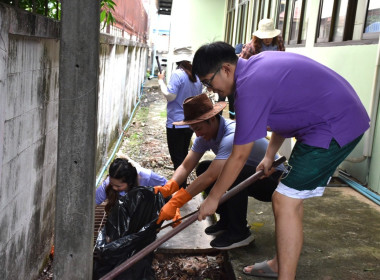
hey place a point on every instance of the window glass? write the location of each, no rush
(372, 21)
(281, 15)
(287, 23)
(305, 21)
(296, 16)
(340, 20)
(325, 21)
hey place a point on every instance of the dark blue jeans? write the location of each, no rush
(233, 213)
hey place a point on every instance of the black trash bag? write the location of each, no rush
(130, 227)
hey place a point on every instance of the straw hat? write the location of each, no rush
(266, 29)
(199, 108)
(182, 53)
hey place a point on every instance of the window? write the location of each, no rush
(242, 22)
(336, 20)
(297, 32)
(230, 21)
(282, 15)
(372, 20)
(291, 21)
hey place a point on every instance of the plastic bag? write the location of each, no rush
(130, 227)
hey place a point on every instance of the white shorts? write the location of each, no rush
(289, 192)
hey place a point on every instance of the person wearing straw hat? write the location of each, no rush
(265, 38)
(294, 96)
(181, 86)
(216, 133)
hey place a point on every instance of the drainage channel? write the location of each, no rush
(181, 263)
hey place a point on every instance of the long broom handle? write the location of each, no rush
(152, 246)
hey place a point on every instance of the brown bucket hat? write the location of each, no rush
(199, 108)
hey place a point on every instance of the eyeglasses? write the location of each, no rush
(207, 83)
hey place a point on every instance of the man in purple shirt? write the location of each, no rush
(294, 96)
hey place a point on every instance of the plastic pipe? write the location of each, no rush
(363, 190)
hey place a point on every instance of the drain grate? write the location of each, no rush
(100, 220)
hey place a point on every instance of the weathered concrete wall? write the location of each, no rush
(122, 66)
(28, 121)
(29, 99)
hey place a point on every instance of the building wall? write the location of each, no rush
(29, 102)
(122, 64)
(29, 70)
(195, 23)
(357, 64)
(357, 61)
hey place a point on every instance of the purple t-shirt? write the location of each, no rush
(181, 86)
(296, 97)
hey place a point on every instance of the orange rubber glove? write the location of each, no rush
(169, 210)
(170, 187)
(176, 217)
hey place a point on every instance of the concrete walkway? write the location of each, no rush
(341, 236)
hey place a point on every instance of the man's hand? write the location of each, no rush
(161, 76)
(266, 165)
(208, 207)
(170, 187)
(169, 210)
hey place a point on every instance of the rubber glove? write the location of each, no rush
(169, 210)
(170, 187)
(176, 217)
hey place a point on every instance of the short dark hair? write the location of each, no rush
(209, 57)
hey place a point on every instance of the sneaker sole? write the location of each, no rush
(242, 243)
(216, 233)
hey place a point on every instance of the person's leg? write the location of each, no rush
(187, 134)
(288, 213)
(178, 144)
(175, 150)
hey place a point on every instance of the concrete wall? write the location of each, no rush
(28, 133)
(29, 99)
(122, 68)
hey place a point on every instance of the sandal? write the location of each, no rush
(262, 270)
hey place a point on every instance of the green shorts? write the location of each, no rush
(312, 167)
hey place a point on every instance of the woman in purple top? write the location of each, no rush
(181, 86)
(123, 176)
(296, 97)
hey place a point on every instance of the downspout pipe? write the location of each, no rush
(120, 138)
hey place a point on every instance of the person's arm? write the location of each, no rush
(164, 89)
(184, 195)
(274, 145)
(188, 164)
(228, 175)
(207, 178)
(100, 194)
(180, 174)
